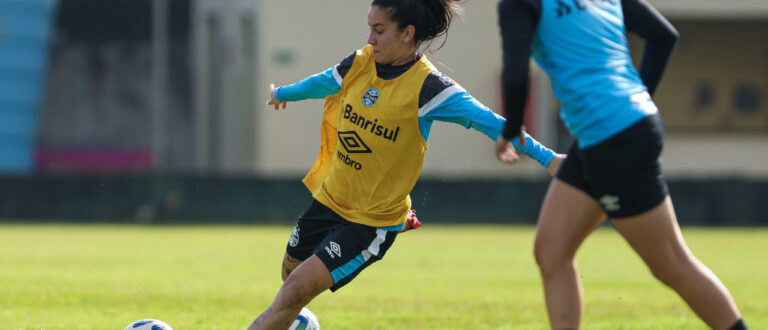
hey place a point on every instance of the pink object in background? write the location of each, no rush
(93, 159)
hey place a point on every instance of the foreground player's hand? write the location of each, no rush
(272, 100)
(505, 152)
(554, 164)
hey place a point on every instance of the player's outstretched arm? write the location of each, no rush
(505, 152)
(316, 86)
(272, 100)
(463, 109)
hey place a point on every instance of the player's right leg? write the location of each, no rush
(568, 215)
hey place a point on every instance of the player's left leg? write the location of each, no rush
(307, 281)
(628, 179)
(655, 235)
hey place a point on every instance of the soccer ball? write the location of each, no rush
(305, 321)
(148, 324)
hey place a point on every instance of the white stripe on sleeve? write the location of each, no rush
(439, 98)
(336, 75)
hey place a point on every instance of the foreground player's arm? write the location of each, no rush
(454, 104)
(518, 20)
(660, 37)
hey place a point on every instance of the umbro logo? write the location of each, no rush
(352, 143)
(333, 249)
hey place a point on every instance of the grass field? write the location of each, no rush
(438, 277)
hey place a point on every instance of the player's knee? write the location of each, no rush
(672, 272)
(294, 295)
(548, 258)
(546, 262)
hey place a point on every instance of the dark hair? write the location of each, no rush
(430, 18)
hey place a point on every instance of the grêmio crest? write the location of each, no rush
(370, 97)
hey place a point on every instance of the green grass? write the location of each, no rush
(438, 277)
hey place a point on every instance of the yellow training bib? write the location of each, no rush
(379, 149)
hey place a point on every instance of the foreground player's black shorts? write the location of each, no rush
(345, 247)
(622, 173)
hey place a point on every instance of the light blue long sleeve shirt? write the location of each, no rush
(453, 104)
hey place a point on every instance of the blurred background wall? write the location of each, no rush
(152, 111)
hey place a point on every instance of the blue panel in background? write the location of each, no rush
(24, 35)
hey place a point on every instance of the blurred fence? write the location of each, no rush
(176, 199)
(111, 72)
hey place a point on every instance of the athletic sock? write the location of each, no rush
(739, 325)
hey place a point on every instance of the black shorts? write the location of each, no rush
(622, 173)
(345, 247)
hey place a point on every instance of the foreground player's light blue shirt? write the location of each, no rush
(582, 45)
(453, 104)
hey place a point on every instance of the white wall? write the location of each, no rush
(719, 9)
(225, 45)
(316, 35)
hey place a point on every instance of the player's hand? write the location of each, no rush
(505, 152)
(411, 222)
(272, 100)
(554, 165)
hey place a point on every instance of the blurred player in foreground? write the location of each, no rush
(613, 168)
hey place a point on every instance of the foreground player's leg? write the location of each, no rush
(568, 215)
(307, 281)
(656, 237)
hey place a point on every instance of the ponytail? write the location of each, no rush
(430, 18)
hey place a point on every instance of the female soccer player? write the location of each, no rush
(381, 101)
(613, 168)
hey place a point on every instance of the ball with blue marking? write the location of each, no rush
(305, 321)
(148, 324)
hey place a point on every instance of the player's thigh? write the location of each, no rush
(346, 252)
(655, 235)
(567, 216)
(289, 264)
(311, 229)
(309, 279)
